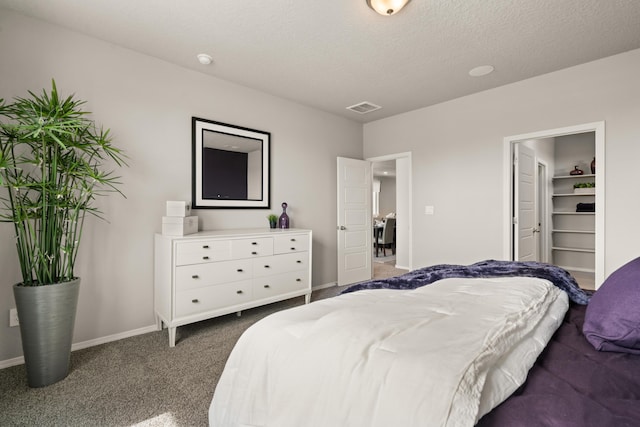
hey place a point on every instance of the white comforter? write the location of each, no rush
(440, 355)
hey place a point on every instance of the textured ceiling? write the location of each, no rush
(336, 53)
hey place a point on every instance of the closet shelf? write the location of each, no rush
(574, 231)
(573, 195)
(588, 175)
(573, 213)
(560, 248)
(581, 270)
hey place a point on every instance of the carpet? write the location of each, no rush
(137, 381)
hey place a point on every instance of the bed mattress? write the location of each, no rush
(439, 355)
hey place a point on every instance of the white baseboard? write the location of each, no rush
(325, 286)
(11, 362)
(85, 344)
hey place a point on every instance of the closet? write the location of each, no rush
(573, 204)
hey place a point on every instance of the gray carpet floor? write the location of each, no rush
(138, 381)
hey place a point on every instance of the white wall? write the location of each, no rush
(148, 105)
(457, 150)
(387, 195)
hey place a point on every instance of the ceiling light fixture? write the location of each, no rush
(205, 59)
(480, 71)
(387, 7)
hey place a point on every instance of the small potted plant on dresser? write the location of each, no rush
(51, 170)
(273, 220)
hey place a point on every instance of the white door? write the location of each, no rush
(525, 199)
(354, 221)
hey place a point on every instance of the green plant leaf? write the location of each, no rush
(54, 162)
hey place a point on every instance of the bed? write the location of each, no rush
(441, 346)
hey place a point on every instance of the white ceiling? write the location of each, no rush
(336, 53)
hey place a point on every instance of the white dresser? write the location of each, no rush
(213, 273)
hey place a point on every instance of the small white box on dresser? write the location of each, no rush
(179, 226)
(178, 208)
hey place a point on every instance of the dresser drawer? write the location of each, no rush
(251, 248)
(291, 243)
(212, 273)
(198, 300)
(277, 264)
(202, 251)
(270, 286)
(199, 275)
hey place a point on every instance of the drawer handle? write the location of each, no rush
(293, 240)
(298, 280)
(205, 247)
(195, 301)
(267, 286)
(254, 253)
(266, 266)
(195, 276)
(239, 270)
(254, 243)
(205, 257)
(293, 249)
(238, 292)
(299, 262)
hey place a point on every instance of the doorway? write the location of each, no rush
(355, 217)
(560, 206)
(397, 183)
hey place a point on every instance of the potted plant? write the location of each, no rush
(273, 220)
(51, 170)
(584, 188)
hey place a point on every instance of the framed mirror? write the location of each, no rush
(230, 166)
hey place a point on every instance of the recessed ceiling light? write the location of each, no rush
(480, 71)
(205, 59)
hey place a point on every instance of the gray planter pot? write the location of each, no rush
(47, 315)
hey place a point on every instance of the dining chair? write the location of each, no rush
(387, 238)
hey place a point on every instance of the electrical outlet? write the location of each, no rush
(13, 318)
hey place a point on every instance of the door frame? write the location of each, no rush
(543, 216)
(409, 208)
(508, 147)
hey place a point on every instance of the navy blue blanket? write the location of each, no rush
(484, 269)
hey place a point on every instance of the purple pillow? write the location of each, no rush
(612, 321)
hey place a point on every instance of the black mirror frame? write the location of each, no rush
(198, 125)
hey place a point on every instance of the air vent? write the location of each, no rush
(364, 107)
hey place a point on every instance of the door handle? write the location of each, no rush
(342, 227)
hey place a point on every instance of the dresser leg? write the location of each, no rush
(238, 313)
(172, 336)
(307, 298)
(158, 323)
